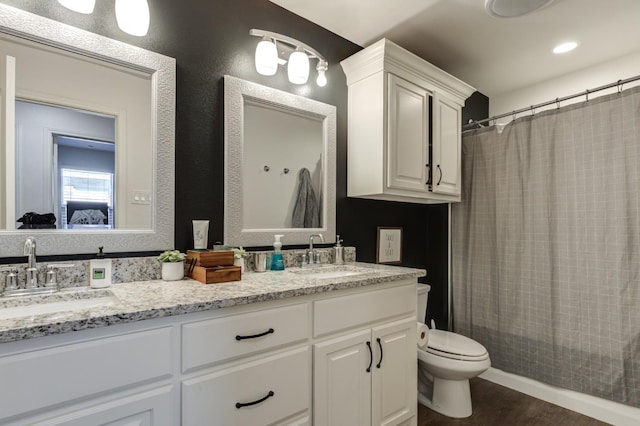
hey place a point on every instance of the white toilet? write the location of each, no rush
(446, 364)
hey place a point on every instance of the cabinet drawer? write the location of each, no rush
(213, 398)
(344, 312)
(81, 370)
(212, 341)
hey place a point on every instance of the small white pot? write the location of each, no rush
(172, 271)
(240, 263)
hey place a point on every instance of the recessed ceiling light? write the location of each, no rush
(513, 8)
(565, 47)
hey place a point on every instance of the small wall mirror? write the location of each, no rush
(87, 127)
(280, 166)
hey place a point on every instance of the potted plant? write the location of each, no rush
(172, 265)
(238, 257)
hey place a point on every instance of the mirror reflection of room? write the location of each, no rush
(68, 173)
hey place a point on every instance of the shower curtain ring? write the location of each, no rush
(514, 114)
(533, 110)
(620, 83)
(557, 103)
(586, 94)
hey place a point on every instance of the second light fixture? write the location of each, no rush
(267, 57)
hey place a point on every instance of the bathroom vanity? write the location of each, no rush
(326, 345)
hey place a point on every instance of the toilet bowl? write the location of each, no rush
(448, 361)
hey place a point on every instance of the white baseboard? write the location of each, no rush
(591, 406)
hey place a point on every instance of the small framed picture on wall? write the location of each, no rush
(389, 245)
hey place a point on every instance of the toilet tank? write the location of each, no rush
(423, 296)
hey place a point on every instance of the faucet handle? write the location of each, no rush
(10, 280)
(51, 277)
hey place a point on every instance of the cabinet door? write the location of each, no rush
(342, 384)
(447, 126)
(394, 385)
(408, 136)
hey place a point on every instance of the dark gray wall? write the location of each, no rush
(210, 39)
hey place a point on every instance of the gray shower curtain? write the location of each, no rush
(546, 246)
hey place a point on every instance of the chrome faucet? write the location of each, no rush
(32, 271)
(314, 256)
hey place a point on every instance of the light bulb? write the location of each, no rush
(266, 57)
(80, 6)
(322, 79)
(565, 47)
(133, 16)
(298, 68)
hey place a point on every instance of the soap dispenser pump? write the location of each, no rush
(338, 251)
(277, 262)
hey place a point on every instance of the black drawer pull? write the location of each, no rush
(370, 357)
(255, 336)
(239, 405)
(380, 345)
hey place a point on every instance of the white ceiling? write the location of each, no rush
(495, 55)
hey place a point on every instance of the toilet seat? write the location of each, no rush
(455, 346)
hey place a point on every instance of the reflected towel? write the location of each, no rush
(305, 211)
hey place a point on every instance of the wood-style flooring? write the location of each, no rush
(495, 405)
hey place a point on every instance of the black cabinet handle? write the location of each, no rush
(439, 180)
(269, 331)
(428, 174)
(370, 357)
(380, 345)
(239, 405)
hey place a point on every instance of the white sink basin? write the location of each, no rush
(338, 271)
(27, 306)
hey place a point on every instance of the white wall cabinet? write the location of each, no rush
(404, 129)
(254, 364)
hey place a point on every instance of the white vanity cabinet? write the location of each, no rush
(365, 369)
(104, 377)
(295, 361)
(404, 130)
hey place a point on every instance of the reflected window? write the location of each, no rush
(87, 198)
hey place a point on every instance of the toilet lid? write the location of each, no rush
(452, 345)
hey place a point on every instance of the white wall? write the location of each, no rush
(602, 74)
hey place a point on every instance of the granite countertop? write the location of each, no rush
(154, 299)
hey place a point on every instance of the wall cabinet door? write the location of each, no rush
(408, 136)
(342, 384)
(394, 375)
(447, 122)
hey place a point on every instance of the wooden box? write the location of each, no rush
(209, 258)
(214, 274)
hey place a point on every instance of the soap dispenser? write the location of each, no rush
(338, 252)
(100, 271)
(277, 262)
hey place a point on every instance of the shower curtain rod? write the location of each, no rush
(556, 101)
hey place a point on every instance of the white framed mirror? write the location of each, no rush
(137, 189)
(280, 166)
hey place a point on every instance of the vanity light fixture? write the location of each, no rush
(133, 16)
(273, 45)
(80, 6)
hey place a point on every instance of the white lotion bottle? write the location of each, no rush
(100, 271)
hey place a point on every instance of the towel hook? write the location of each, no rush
(285, 170)
(266, 168)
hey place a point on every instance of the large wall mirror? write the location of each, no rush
(280, 166)
(87, 140)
